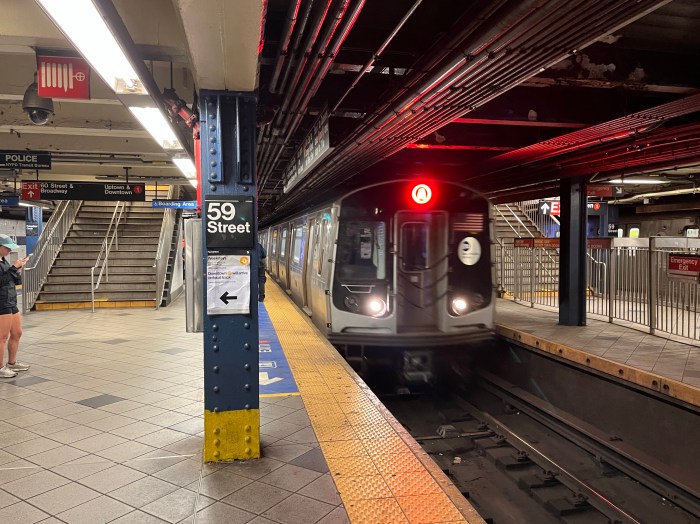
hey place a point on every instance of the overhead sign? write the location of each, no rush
(175, 204)
(9, 201)
(83, 191)
(599, 190)
(25, 160)
(524, 242)
(547, 243)
(599, 243)
(63, 77)
(229, 222)
(684, 267)
(314, 148)
(550, 207)
(228, 285)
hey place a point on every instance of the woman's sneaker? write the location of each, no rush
(17, 366)
(5, 372)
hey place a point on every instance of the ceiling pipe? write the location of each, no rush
(377, 54)
(296, 46)
(567, 32)
(671, 192)
(283, 48)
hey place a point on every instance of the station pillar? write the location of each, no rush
(572, 255)
(230, 266)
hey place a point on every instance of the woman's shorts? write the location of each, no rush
(9, 311)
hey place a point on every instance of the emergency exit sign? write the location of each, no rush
(684, 267)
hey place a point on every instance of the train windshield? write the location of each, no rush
(361, 250)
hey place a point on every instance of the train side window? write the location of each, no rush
(414, 246)
(274, 243)
(283, 246)
(296, 244)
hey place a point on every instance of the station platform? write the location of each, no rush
(652, 361)
(106, 426)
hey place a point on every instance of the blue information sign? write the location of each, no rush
(9, 201)
(175, 204)
(275, 376)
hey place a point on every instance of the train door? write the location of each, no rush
(311, 248)
(421, 269)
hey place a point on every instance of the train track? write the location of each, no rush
(551, 445)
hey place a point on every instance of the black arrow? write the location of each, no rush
(226, 297)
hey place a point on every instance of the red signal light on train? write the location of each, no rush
(421, 194)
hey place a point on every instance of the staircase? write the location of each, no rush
(515, 272)
(131, 280)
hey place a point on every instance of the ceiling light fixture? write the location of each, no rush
(640, 181)
(97, 32)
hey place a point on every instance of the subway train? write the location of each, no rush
(391, 272)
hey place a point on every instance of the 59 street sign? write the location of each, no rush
(229, 222)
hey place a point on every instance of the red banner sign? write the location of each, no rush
(550, 243)
(523, 242)
(599, 191)
(599, 243)
(63, 77)
(684, 267)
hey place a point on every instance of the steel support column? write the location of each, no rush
(572, 256)
(231, 406)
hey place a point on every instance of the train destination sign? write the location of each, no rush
(229, 222)
(25, 160)
(83, 191)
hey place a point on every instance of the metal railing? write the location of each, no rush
(102, 261)
(46, 250)
(628, 282)
(164, 243)
(547, 225)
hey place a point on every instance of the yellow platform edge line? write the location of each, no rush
(647, 379)
(231, 435)
(309, 366)
(269, 395)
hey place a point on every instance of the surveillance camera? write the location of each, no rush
(39, 109)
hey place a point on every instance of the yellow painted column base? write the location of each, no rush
(231, 435)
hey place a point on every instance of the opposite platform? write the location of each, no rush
(652, 361)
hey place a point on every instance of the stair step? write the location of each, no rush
(105, 287)
(84, 271)
(73, 296)
(114, 278)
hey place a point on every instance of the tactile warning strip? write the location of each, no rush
(381, 473)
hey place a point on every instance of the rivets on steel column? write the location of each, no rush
(246, 367)
(214, 338)
(212, 151)
(215, 347)
(215, 327)
(217, 431)
(247, 406)
(217, 442)
(247, 387)
(212, 188)
(216, 368)
(216, 389)
(248, 427)
(247, 440)
(212, 128)
(212, 139)
(217, 454)
(216, 410)
(213, 164)
(248, 451)
(245, 188)
(246, 325)
(246, 346)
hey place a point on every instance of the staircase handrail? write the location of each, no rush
(602, 264)
(166, 234)
(508, 221)
(107, 243)
(46, 250)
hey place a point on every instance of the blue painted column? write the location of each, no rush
(229, 219)
(572, 255)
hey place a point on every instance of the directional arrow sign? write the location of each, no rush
(226, 297)
(545, 208)
(265, 380)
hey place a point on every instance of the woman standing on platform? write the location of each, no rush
(10, 319)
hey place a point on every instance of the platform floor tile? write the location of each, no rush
(107, 426)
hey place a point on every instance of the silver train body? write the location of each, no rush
(374, 269)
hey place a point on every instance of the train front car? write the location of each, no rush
(412, 273)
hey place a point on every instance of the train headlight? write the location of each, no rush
(376, 307)
(351, 304)
(459, 305)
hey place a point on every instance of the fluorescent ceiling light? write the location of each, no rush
(186, 166)
(155, 123)
(640, 181)
(86, 29)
